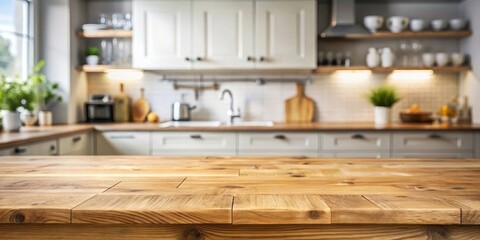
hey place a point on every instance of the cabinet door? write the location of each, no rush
(477, 149)
(223, 34)
(78, 144)
(280, 143)
(432, 141)
(435, 155)
(361, 141)
(286, 34)
(344, 154)
(35, 149)
(123, 143)
(193, 143)
(161, 39)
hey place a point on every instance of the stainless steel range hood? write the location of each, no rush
(343, 20)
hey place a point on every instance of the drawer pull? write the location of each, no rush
(357, 136)
(52, 148)
(19, 150)
(76, 139)
(122, 137)
(196, 136)
(434, 136)
(280, 137)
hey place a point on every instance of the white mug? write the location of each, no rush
(397, 24)
(457, 24)
(439, 24)
(417, 25)
(373, 23)
(428, 59)
(442, 59)
(457, 59)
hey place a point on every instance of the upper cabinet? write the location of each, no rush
(286, 34)
(224, 34)
(162, 36)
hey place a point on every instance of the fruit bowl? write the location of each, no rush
(419, 117)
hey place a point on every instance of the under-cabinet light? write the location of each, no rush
(124, 74)
(412, 74)
(353, 74)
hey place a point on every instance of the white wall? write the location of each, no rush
(470, 84)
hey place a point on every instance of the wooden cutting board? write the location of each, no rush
(122, 106)
(300, 108)
(141, 108)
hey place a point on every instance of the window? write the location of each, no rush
(16, 37)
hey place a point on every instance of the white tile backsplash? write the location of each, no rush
(337, 100)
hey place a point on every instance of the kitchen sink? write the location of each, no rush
(216, 124)
(191, 124)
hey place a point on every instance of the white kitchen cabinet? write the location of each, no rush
(34, 149)
(78, 144)
(434, 155)
(355, 141)
(286, 34)
(122, 143)
(194, 143)
(344, 154)
(223, 34)
(433, 141)
(162, 36)
(278, 144)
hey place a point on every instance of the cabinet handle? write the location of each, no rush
(280, 137)
(188, 59)
(122, 137)
(196, 136)
(357, 136)
(19, 150)
(199, 59)
(250, 59)
(434, 136)
(76, 139)
(262, 59)
(52, 148)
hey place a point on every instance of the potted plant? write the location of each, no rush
(383, 98)
(14, 95)
(93, 54)
(47, 94)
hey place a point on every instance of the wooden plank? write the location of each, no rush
(109, 33)
(38, 208)
(154, 209)
(225, 232)
(446, 69)
(351, 209)
(407, 34)
(413, 209)
(280, 209)
(470, 206)
(54, 185)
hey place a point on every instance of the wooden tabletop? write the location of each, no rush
(238, 190)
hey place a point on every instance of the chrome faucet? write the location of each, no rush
(231, 112)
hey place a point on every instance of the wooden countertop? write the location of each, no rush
(34, 134)
(238, 190)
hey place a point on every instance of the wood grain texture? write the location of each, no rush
(280, 209)
(154, 209)
(225, 232)
(300, 108)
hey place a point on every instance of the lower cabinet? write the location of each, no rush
(78, 144)
(355, 145)
(122, 143)
(437, 155)
(194, 143)
(278, 144)
(354, 154)
(35, 149)
(477, 149)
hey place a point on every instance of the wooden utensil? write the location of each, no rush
(300, 108)
(121, 106)
(141, 108)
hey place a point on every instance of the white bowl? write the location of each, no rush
(439, 24)
(417, 25)
(457, 24)
(457, 59)
(428, 59)
(373, 23)
(442, 59)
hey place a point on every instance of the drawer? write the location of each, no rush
(39, 149)
(355, 141)
(278, 142)
(167, 152)
(279, 154)
(477, 149)
(427, 141)
(194, 141)
(355, 154)
(434, 155)
(123, 143)
(79, 144)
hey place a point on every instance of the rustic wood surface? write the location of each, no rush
(238, 190)
(34, 134)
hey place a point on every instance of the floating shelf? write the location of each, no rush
(100, 68)
(330, 69)
(387, 35)
(111, 33)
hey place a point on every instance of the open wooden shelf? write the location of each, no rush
(100, 68)
(387, 35)
(110, 33)
(331, 69)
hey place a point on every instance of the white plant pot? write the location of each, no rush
(92, 60)
(45, 118)
(11, 121)
(382, 116)
(28, 118)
